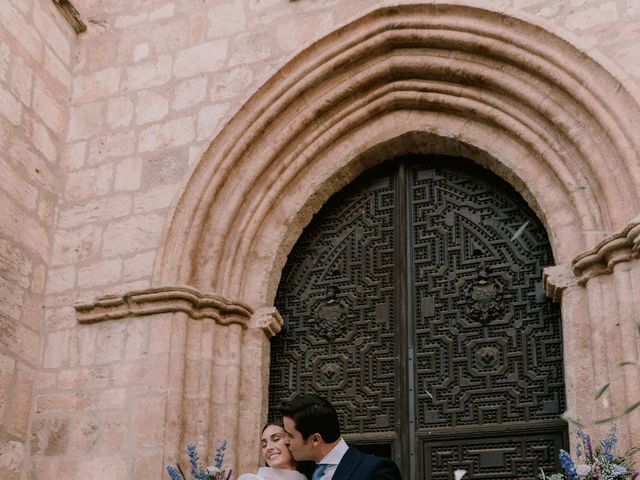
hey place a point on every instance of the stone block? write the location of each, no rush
(118, 145)
(114, 433)
(190, 93)
(113, 468)
(61, 279)
(589, 17)
(130, 374)
(133, 234)
(7, 375)
(57, 69)
(165, 168)
(110, 342)
(86, 120)
(225, 19)
(149, 74)
(12, 299)
(10, 107)
(15, 225)
(103, 209)
(90, 183)
(137, 339)
(138, 266)
(5, 56)
(84, 378)
(43, 142)
(160, 334)
(37, 170)
(23, 393)
(74, 157)
(21, 81)
(55, 36)
(231, 83)
(15, 263)
(128, 174)
(14, 184)
(21, 30)
(82, 345)
(113, 398)
(33, 311)
(52, 109)
(171, 36)
(149, 464)
(12, 457)
(163, 12)
(56, 350)
(140, 52)
(50, 436)
(96, 85)
(209, 120)
(151, 107)
(76, 245)
(207, 57)
(60, 318)
(119, 112)
(167, 135)
(148, 421)
(84, 436)
(100, 273)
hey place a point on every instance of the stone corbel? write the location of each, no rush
(268, 319)
(556, 279)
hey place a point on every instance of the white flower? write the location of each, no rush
(583, 469)
(212, 470)
(458, 474)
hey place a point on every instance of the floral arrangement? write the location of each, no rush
(198, 471)
(597, 463)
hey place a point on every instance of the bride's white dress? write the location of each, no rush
(268, 473)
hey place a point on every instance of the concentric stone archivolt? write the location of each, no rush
(545, 116)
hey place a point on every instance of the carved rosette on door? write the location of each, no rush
(410, 304)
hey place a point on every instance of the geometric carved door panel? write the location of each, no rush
(410, 304)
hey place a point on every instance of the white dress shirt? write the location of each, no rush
(333, 458)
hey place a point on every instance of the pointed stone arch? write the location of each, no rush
(500, 89)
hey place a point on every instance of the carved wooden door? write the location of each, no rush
(413, 302)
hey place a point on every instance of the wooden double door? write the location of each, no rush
(413, 302)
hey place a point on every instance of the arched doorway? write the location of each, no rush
(414, 302)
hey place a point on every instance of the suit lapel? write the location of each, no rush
(347, 465)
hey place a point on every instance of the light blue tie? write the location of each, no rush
(319, 471)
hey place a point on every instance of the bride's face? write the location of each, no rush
(274, 449)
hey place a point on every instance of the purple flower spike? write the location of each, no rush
(588, 450)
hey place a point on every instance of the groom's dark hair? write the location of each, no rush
(313, 414)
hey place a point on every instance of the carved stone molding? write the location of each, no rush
(600, 260)
(616, 248)
(166, 300)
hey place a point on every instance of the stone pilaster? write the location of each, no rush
(600, 301)
(194, 369)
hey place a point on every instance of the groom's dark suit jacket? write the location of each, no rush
(356, 465)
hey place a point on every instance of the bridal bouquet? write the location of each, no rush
(198, 471)
(597, 463)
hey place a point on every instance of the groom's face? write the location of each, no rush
(300, 448)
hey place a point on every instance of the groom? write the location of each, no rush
(313, 433)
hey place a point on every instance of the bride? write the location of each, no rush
(276, 454)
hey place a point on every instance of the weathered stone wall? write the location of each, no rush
(106, 127)
(35, 82)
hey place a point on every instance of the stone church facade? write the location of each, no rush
(159, 166)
